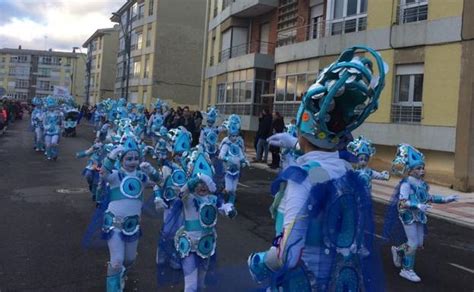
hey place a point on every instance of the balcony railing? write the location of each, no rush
(322, 28)
(412, 12)
(403, 114)
(287, 109)
(244, 49)
(245, 109)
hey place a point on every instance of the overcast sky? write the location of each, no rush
(57, 24)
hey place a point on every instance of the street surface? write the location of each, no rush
(46, 207)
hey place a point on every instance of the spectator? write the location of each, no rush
(168, 122)
(187, 121)
(264, 131)
(197, 116)
(278, 125)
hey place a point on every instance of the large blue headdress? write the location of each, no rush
(292, 130)
(407, 158)
(199, 162)
(180, 140)
(344, 95)
(36, 101)
(233, 125)
(130, 144)
(361, 146)
(51, 102)
(212, 114)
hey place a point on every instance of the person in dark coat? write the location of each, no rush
(264, 131)
(278, 126)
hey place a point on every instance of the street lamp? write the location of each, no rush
(126, 35)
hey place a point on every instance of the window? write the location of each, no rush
(145, 97)
(44, 72)
(147, 67)
(141, 10)
(148, 35)
(100, 42)
(348, 16)
(139, 40)
(134, 12)
(209, 89)
(407, 104)
(47, 60)
(413, 10)
(136, 69)
(292, 88)
(150, 7)
(22, 83)
(221, 88)
(44, 85)
(22, 59)
(98, 61)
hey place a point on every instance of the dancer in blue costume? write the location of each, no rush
(326, 207)
(195, 241)
(209, 141)
(174, 178)
(232, 153)
(410, 202)
(162, 147)
(37, 116)
(121, 225)
(53, 124)
(364, 150)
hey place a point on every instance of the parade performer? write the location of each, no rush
(209, 141)
(364, 150)
(121, 225)
(195, 241)
(37, 116)
(174, 177)
(410, 202)
(232, 153)
(326, 206)
(52, 123)
(162, 147)
(96, 154)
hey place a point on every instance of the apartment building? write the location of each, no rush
(427, 44)
(25, 74)
(160, 51)
(102, 48)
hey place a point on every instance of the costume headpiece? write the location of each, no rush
(407, 158)
(212, 114)
(344, 95)
(361, 146)
(180, 140)
(233, 125)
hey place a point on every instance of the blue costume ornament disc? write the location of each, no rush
(208, 215)
(131, 187)
(206, 245)
(178, 177)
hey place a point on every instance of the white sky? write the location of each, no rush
(65, 23)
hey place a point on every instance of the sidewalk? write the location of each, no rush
(461, 212)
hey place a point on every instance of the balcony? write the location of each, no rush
(242, 8)
(244, 56)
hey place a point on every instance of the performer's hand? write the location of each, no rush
(284, 140)
(386, 175)
(146, 167)
(115, 152)
(452, 198)
(160, 204)
(423, 207)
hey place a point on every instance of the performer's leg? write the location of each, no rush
(115, 269)
(408, 262)
(47, 140)
(190, 270)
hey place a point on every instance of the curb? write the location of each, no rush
(386, 201)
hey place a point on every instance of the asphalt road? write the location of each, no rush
(45, 208)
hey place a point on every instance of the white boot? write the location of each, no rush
(410, 275)
(397, 260)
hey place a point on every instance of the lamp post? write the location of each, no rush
(126, 35)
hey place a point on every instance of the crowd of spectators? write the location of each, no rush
(10, 110)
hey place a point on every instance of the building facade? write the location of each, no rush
(160, 51)
(25, 74)
(102, 48)
(427, 44)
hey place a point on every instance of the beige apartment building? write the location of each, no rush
(25, 74)
(102, 48)
(265, 53)
(160, 51)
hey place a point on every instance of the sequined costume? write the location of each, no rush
(324, 206)
(406, 217)
(121, 227)
(52, 123)
(37, 116)
(232, 153)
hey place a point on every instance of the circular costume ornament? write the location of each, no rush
(178, 177)
(208, 215)
(131, 187)
(131, 225)
(206, 245)
(183, 245)
(211, 137)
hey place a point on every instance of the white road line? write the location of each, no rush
(462, 268)
(245, 186)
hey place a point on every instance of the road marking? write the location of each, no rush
(462, 268)
(245, 186)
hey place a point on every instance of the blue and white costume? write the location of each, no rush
(174, 178)
(96, 154)
(410, 202)
(162, 146)
(325, 207)
(37, 116)
(232, 153)
(195, 241)
(364, 150)
(52, 123)
(121, 225)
